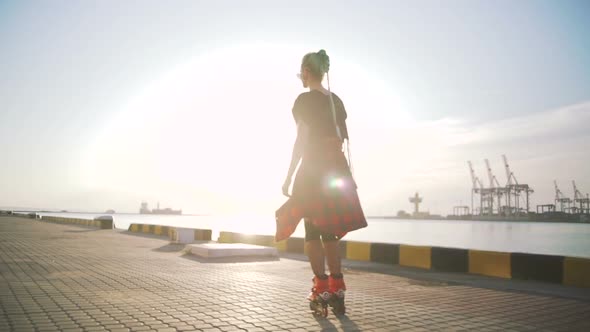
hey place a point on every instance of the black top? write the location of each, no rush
(313, 108)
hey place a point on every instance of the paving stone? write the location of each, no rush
(44, 329)
(230, 328)
(159, 326)
(185, 327)
(23, 327)
(167, 329)
(54, 277)
(95, 328)
(202, 326)
(140, 328)
(67, 326)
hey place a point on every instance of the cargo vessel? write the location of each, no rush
(144, 209)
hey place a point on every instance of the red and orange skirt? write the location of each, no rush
(325, 192)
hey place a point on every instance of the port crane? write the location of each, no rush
(496, 191)
(564, 202)
(516, 189)
(492, 196)
(583, 201)
(476, 189)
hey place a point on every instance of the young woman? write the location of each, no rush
(324, 192)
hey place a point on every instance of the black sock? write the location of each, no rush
(337, 275)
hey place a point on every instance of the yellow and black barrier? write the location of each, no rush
(490, 263)
(150, 229)
(99, 222)
(537, 267)
(30, 215)
(169, 231)
(571, 271)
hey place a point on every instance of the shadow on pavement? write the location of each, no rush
(82, 230)
(171, 247)
(347, 324)
(146, 235)
(325, 324)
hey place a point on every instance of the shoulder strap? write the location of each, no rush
(333, 108)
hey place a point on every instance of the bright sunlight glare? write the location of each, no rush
(218, 130)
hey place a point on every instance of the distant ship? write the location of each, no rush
(145, 210)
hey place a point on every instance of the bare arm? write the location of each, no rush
(300, 141)
(302, 134)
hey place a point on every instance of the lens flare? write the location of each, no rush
(336, 183)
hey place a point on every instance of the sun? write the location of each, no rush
(215, 132)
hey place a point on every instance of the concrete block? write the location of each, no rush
(415, 256)
(226, 237)
(546, 268)
(576, 272)
(203, 234)
(359, 251)
(217, 250)
(490, 263)
(103, 222)
(450, 259)
(385, 253)
(183, 235)
(296, 245)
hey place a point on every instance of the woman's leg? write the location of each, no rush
(335, 282)
(315, 249)
(332, 252)
(315, 252)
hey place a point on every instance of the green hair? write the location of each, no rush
(318, 63)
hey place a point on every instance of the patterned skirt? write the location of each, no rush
(323, 191)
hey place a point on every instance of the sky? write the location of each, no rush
(104, 104)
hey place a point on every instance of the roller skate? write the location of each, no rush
(337, 291)
(319, 296)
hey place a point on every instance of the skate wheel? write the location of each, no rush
(325, 311)
(318, 309)
(339, 311)
(338, 307)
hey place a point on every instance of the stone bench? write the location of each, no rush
(219, 250)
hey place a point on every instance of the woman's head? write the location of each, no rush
(313, 67)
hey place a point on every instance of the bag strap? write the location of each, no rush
(333, 108)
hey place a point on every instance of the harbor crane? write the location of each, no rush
(514, 188)
(583, 201)
(477, 188)
(496, 191)
(564, 202)
(488, 196)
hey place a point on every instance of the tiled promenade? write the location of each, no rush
(69, 278)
